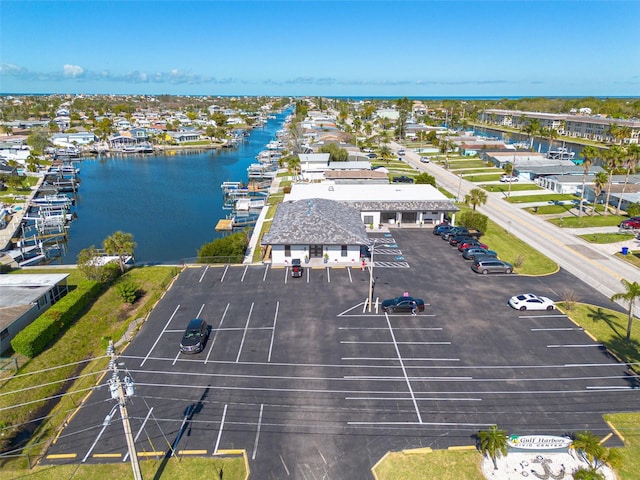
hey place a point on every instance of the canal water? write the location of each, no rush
(170, 203)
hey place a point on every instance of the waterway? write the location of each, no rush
(539, 144)
(170, 203)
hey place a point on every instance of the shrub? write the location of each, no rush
(570, 298)
(128, 291)
(472, 219)
(519, 261)
(34, 338)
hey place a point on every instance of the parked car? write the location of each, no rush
(442, 228)
(529, 301)
(630, 223)
(508, 178)
(474, 252)
(424, 159)
(471, 243)
(402, 304)
(455, 241)
(455, 231)
(296, 268)
(195, 336)
(491, 265)
(402, 179)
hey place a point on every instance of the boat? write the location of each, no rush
(560, 153)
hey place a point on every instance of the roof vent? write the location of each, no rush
(331, 188)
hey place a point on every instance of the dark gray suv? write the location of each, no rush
(195, 336)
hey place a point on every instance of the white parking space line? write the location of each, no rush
(542, 316)
(203, 274)
(612, 387)
(575, 346)
(224, 273)
(273, 330)
(213, 341)
(388, 378)
(244, 273)
(175, 359)
(406, 359)
(284, 465)
(567, 329)
(404, 371)
(255, 444)
(159, 336)
(246, 326)
(433, 399)
(200, 311)
(350, 277)
(396, 343)
(264, 275)
(328, 275)
(224, 414)
(447, 424)
(396, 328)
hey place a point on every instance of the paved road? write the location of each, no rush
(587, 262)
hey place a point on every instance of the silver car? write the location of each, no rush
(491, 265)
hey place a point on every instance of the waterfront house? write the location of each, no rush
(24, 298)
(183, 137)
(77, 138)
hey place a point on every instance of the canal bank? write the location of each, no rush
(169, 203)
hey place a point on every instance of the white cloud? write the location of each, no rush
(73, 71)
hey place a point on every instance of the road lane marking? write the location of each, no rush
(576, 345)
(567, 329)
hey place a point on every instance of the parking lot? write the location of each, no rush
(312, 385)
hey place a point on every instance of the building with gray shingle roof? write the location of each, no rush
(316, 228)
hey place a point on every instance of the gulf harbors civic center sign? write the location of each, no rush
(538, 442)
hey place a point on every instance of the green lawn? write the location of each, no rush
(475, 163)
(627, 425)
(607, 237)
(470, 171)
(436, 465)
(551, 209)
(587, 221)
(549, 197)
(503, 187)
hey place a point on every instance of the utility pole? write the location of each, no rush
(120, 393)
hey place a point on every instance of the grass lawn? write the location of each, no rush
(633, 257)
(587, 221)
(470, 164)
(551, 209)
(503, 187)
(627, 425)
(511, 249)
(174, 468)
(487, 177)
(436, 465)
(607, 237)
(549, 197)
(71, 354)
(470, 171)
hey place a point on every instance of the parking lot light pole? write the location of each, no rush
(371, 281)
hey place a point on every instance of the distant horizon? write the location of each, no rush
(352, 97)
(323, 48)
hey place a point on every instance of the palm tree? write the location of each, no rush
(493, 442)
(632, 292)
(630, 161)
(532, 128)
(613, 158)
(600, 181)
(445, 147)
(476, 197)
(385, 153)
(589, 153)
(551, 134)
(120, 244)
(633, 155)
(589, 448)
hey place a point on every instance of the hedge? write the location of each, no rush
(34, 338)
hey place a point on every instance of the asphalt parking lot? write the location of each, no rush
(311, 385)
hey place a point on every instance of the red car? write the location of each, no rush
(471, 243)
(631, 223)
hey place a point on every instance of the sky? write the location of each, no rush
(359, 48)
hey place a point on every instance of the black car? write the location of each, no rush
(442, 228)
(456, 239)
(195, 336)
(453, 231)
(472, 253)
(402, 179)
(402, 304)
(296, 268)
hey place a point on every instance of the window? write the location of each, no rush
(343, 251)
(368, 219)
(287, 250)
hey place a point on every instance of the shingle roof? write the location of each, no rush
(316, 221)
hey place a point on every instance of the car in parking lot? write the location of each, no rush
(491, 265)
(402, 179)
(296, 268)
(402, 304)
(195, 336)
(529, 301)
(455, 231)
(442, 228)
(474, 252)
(471, 243)
(630, 223)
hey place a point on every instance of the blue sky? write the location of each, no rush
(345, 48)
